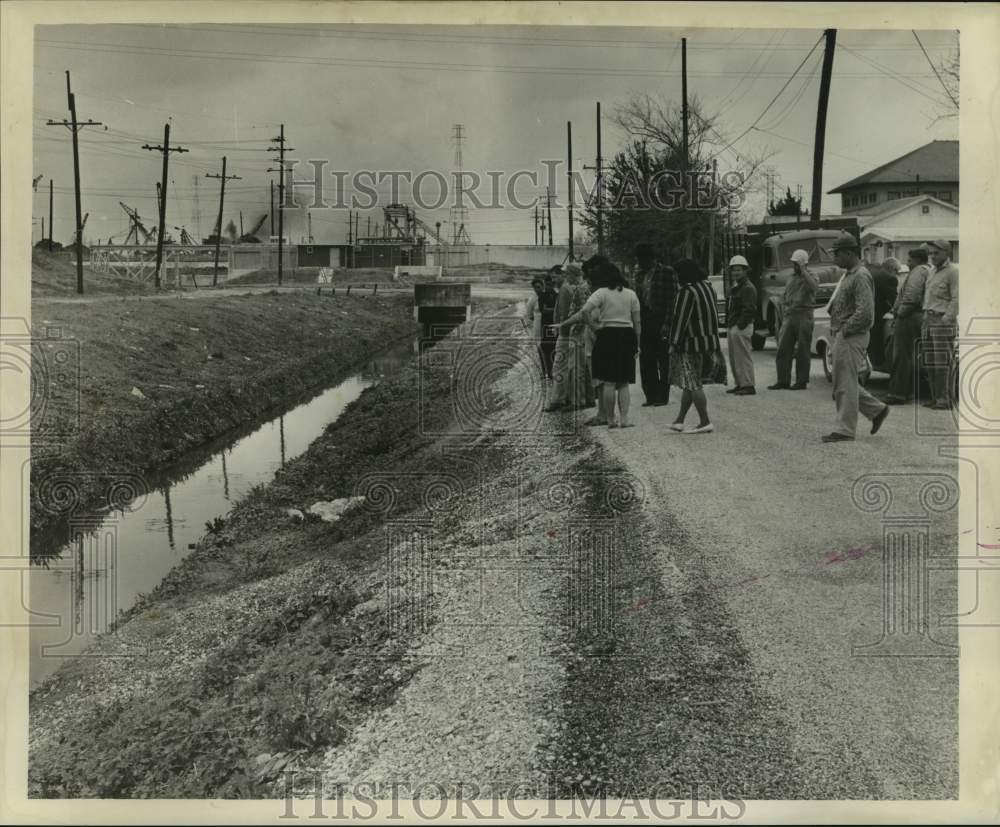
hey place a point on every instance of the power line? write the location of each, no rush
(146, 51)
(766, 108)
(898, 77)
(354, 33)
(931, 62)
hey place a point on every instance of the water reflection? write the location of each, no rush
(95, 564)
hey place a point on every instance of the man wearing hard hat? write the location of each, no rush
(852, 309)
(796, 326)
(740, 314)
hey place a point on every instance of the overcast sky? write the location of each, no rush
(387, 97)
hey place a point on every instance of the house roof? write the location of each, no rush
(898, 205)
(910, 233)
(936, 161)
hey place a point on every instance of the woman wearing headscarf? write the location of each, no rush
(615, 310)
(694, 344)
(581, 391)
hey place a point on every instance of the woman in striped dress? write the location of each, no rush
(694, 343)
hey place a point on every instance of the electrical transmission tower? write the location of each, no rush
(458, 214)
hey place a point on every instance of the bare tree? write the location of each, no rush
(949, 72)
(645, 183)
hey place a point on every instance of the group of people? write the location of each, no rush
(591, 328)
(591, 324)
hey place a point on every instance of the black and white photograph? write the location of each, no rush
(510, 411)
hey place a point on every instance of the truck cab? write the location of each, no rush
(771, 269)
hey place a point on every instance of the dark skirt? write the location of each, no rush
(613, 359)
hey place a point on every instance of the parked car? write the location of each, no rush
(822, 340)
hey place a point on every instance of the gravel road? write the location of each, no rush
(704, 646)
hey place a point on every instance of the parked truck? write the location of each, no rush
(769, 248)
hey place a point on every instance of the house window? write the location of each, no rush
(872, 197)
(945, 196)
(309, 249)
(893, 196)
(925, 209)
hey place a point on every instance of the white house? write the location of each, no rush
(907, 223)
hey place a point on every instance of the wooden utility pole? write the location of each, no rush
(218, 224)
(281, 149)
(50, 215)
(824, 98)
(598, 186)
(74, 126)
(165, 150)
(350, 241)
(569, 177)
(548, 207)
(685, 160)
(272, 211)
(711, 221)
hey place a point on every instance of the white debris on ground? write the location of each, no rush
(332, 510)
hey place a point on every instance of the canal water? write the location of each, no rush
(84, 577)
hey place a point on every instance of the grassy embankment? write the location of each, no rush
(54, 274)
(148, 380)
(270, 642)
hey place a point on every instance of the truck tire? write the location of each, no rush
(757, 341)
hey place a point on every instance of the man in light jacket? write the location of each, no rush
(908, 312)
(940, 322)
(797, 307)
(852, 309)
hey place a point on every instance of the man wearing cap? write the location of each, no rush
(741, 312)
(656, 287)
(796, 325)
(851, 311)
(940, 320)
(908, 312)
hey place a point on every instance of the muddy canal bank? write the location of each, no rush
(272, 639)
(127, 386)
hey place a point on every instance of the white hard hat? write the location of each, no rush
(800, 256)
(739, 260)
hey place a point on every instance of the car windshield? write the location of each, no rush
(816, 247)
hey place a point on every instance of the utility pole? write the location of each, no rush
(50, 215)
(711, 222)
(218, 224)
(598, 186)
(548, 206)
(165, 150)
(309, 221)
(272, 209)
(536, 225)
(74, 126)
(350, 241)
(281, 149)
(369, 233)
(688, 243)
(569, 176)
(824, 98)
